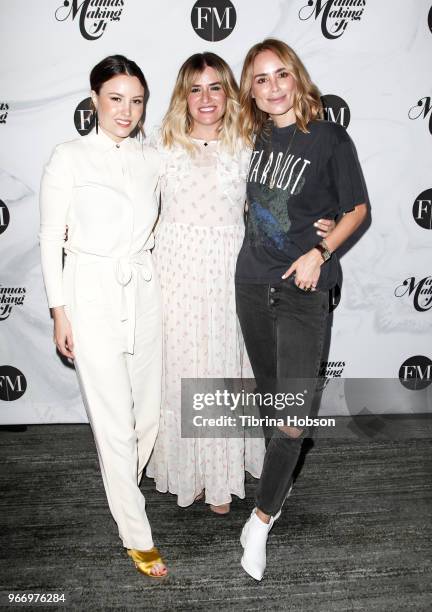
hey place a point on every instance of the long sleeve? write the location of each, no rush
(154, 141)
(55, 198)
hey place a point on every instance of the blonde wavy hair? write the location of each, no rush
(177, 124)
(307, 103)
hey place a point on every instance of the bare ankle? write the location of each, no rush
(261, 515)
(221, 509)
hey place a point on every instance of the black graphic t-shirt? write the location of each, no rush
(294, 179)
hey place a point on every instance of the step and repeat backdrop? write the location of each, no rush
(371, 60)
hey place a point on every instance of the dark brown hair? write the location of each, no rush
(110, 67)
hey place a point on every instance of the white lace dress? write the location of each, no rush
(198, 237)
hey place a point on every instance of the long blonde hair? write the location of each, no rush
(307, 103)
(178, 123)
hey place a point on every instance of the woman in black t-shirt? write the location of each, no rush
(301, 169)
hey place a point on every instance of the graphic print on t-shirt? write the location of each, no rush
(295, 178)
(279, 176)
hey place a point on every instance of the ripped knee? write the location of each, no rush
(291, 432)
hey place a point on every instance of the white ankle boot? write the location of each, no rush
(254, 539)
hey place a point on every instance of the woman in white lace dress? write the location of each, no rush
(198, 237)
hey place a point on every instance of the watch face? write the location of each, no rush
(325, 254)
(324, 250)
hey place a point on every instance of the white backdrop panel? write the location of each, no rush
(380, 66)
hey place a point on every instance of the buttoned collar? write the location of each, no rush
(104, 143)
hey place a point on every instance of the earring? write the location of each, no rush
(96, 122)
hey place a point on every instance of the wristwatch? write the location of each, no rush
(324, 250)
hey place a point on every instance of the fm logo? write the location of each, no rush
(213, 20)
(84, 117)
(422, 209)
(416, 373)
(336, 110)
(12, 383)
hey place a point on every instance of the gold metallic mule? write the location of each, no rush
(145, 560)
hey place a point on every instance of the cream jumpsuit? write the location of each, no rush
(105, 194)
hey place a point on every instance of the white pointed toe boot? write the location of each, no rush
(254, 539)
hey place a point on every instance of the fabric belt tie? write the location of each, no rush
(126, 271)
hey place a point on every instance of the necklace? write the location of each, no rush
(204, 141)
(284, 158)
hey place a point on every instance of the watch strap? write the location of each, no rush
(324, 250)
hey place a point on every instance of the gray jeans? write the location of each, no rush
(284, 330)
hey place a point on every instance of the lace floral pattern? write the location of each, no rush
(198, 237)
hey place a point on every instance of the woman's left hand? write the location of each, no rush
(324, 227)
(307, 270)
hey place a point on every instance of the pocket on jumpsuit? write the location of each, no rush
(88, 286)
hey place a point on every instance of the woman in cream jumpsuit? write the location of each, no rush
(103, 191)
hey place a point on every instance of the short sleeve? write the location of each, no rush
(348, 176)
(55, 198)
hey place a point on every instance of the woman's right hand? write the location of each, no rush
(325, 227)
(63, 338)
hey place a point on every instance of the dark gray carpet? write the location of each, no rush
(355, 534)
